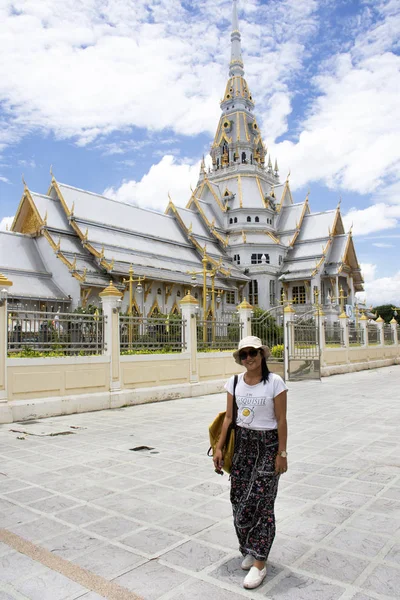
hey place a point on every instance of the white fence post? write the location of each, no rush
(111, 301)
(393, 324)
(380, 323)
(344, 324)
(189, 307)
(245, 311)
(288, 334)
(364, 327)
(5, 410)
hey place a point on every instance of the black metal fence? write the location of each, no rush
(356, 335)
(334, 334)
(374, 335)
(152, 334)
(213, 334)
(35, 334)
(388, 335)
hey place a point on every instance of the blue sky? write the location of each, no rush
(123, 98)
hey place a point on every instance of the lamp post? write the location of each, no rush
(206, 273)
(129, 285)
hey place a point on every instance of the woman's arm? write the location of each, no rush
(218, 458)
(280, 403)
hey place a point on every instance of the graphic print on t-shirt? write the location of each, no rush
(246, 408)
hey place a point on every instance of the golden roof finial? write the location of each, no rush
(24, 182)
(102, 252)
(58, 246)
(339, 203)
(45, 218)
(51, 172)
(288, 176)
(72, 209)
(190, 230)
(351, 229)
(276, 168)
(86, 236)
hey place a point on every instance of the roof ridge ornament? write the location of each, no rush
(236, 67)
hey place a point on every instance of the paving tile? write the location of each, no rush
(387, 507)
(394, 555)
(347, 499)
(108, 561)
(71, 544)
(359, 542)
(29, 495)
(152, 580)
(40, 529)
(193, 555)
(49, 586)
(341, 567)
(299, 587)
(375, 523)
(17, 566)
(81, 515)
(384, 580)
(113, 527)
(307, 492)
(306, 529)
(152, 541)
(188, 523)
(393, 493)
(285, 550)
(200, 590)
(54, 504)
(326, 512)
(222, 535)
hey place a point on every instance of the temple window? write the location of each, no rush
(230, 297)
(230, 221)
(272, 297)
(253, 292)
(280, 260)
(257, 219)
(159, 291)
(299, 294)
(178, 294)
(249, 219)
(244, 157)
(236, 259)
(235, 220)
(258, 259)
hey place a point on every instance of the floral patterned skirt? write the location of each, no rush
(254, 487)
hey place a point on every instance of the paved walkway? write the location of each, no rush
(84, 516)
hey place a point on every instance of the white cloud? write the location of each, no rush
(167, 176)
(89, 68)
(382, 245)
(374, 218)
(385, 290)
(5, 223)
(368, 270)
(4, 179)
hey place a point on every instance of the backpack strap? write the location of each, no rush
(235, 408)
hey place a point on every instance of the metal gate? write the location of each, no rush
(303, 349)
(269, 327)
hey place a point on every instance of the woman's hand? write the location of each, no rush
(218, 461)
(281, 465)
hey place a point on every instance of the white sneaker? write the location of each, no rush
(254, 578)
(248, 562)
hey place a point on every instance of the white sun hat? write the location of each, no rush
(251, 341)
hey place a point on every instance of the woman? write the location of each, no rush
(260, 454)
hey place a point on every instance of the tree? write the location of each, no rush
(386, 312)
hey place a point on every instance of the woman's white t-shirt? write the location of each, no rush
(256, 409)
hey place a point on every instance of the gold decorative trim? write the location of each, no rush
(240, 191)
(155, 308)
(111, 290)
(4, 281)
(244, 305)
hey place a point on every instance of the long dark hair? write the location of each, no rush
(264, 370)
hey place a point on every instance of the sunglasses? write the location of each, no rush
(251, 353)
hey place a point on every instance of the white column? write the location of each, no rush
(5, 410)
(393, 324)
(320, 320)
(288, 324)
(344, 324)
(380, 323)
(189, 307)
(245, 311)
(111, 301)
(364, 327)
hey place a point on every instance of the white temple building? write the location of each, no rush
(241, 222)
